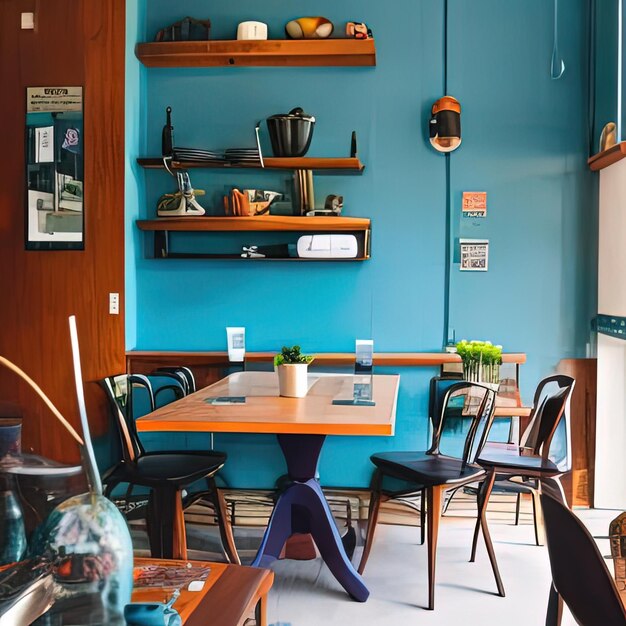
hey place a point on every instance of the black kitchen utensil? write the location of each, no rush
(291, 133)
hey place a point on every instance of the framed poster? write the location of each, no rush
(54, 168)
(474, 204)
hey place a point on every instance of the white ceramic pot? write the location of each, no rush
(292, 380)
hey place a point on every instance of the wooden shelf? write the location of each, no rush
(161, 227)
(398, 359)
(607, 157)
(265, 223)
(347, 165)
(272, 52)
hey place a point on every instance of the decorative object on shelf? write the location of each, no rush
(358, 30)
(187, 29)
(252, 31)
(474, 204)
(474, 255)
(85, 538)
(608, 137)
(183, 202)
(250, 202)
(617, 539)
(291, 133)
(481, 361)
(557, 65)
(353, 146)
(445, 124)
(332, 206)
(236, 342)
(309, 28)
(292, 367)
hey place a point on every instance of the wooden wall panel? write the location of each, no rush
(76, 42)
(578, 484)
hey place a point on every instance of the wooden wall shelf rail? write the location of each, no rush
(607, 157)
(272, 52)
(328, 165)
(397, 359)
(265, 223)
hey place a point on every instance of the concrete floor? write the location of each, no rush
(306, 594)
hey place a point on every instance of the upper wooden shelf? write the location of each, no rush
(348, 165)
(607, 157)
(263, 223)
(271, 52)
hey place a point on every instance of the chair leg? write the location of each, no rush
(538, 518)
(372, 518)
(482, 516)
(225, 527)
(555, 608)
(479, 505)
(423, 518)
(162, 512)
(518, 501)
(433, 510)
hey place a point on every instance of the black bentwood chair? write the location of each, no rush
(467, 403)
(166, 474)
(580, 577)
(544, 452)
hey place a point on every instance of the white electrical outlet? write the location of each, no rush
(28, 21)
(114, 304)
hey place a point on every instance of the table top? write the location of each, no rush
(230, 592)
(264, 411)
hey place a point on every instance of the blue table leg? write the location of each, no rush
(302, 508)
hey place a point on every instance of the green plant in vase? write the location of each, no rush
(481, 361)
(292, 368)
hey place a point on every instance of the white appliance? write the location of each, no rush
(328, 246)
(610, 469)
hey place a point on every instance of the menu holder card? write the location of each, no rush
(224, 400)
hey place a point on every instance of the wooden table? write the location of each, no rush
(301, 425)
(230, 594)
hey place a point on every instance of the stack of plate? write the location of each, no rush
(243, 155)
(194, 154)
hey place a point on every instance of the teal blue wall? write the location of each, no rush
(524, 142)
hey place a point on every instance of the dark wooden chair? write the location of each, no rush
(580, 577)
(436, 473)
(166, 474)
(541, 455)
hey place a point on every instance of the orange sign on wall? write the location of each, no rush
(474, 203)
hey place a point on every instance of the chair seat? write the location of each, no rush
(176, 468)
(510, 460)
(426, 469)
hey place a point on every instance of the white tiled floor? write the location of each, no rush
(306, 594)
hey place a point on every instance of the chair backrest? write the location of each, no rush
(134, 395)
(439, 385)
(579, 573)
(467, 401)
(548, 432)
(183, 373)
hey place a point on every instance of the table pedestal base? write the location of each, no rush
(302, 508)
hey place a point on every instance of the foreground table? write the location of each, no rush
(231, 593)
(301, 425)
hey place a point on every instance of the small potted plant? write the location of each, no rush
(292, 367)
(481, 361)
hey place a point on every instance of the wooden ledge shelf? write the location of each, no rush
(607, 157)
(266, 223)
(347, 165)
(271, 52)
(398, 359)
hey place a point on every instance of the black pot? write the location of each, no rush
(291, 134)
